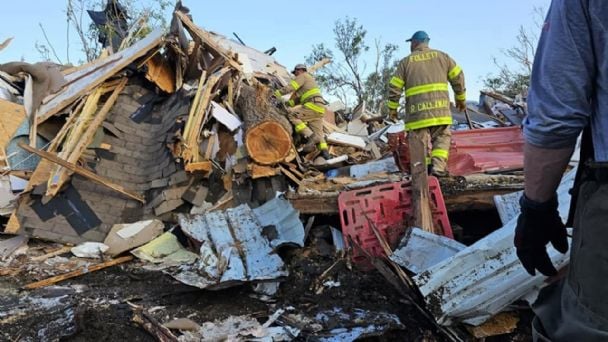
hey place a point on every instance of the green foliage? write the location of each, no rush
(148, 14)
(511, 86)
(514, 76)
(346, 78)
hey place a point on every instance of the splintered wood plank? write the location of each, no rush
(67, 126)
(502, 323)
(89, 81)
(160, 72)
(6, 43)
(81, 271)
(83, 139)
(260, 171)
(205, 167)
(197, 118)
(12, 116)
(83, 172)
(13, 226)
(290, 175)
(41, 174)
(208, 41)
(320, 64)
(420, 185)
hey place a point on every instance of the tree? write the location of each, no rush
(512, 78)
(376, 83)
(346, 78)
(142, 14)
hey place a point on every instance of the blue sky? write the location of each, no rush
(471, 31)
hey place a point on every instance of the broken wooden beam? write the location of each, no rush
(62, 250)
(151, 325)
(423, 217)
(83, 81)
(320, 64)
(81, 138)
(205, 38)
(83, 172)
(81, 271)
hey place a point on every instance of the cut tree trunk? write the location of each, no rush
(267, 130)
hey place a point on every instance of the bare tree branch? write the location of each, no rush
(49, 44)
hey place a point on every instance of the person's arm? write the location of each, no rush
(395, 90)
(291, 87)
(559, 107)
(559, 102)
(543, 170)
(456, 79)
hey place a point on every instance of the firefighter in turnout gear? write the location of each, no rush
(424, 77)
(306, 108)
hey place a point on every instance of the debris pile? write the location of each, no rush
(169, 157)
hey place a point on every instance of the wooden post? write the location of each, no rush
(423, 218)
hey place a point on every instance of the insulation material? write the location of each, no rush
(225, 117)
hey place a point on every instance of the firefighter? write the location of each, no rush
(568, 95)
(424, 77)
(306, 109)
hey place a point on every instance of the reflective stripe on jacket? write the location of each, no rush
(423, 76)
(305, 87)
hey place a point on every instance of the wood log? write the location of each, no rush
(268, 143)
(267, 130)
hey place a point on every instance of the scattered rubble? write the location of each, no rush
(163, 177)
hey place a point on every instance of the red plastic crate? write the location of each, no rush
(389, 207)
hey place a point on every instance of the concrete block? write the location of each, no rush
(196, 195)
(124, 237)
(159, 183)
(179, 178)
(167, 206)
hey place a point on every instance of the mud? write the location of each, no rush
(97, 306)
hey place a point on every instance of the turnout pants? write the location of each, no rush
(308, 123)
(576, 309)
(440, 138)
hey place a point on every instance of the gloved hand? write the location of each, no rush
(461, 105)
(392, 115)
(537, 225)
(277, 94)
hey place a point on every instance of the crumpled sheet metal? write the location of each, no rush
(484, 278)
(356, 324)
(420, 250)
(232, 250)
(279, 213)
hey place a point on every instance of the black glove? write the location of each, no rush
(537, 225)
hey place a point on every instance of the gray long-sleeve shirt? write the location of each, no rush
(569, 85)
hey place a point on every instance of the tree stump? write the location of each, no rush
(267, 132)
(268, 143)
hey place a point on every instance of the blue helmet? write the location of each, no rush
(419, 36)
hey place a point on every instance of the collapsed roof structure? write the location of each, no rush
(174, 139)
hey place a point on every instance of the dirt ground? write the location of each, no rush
(97, 306)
